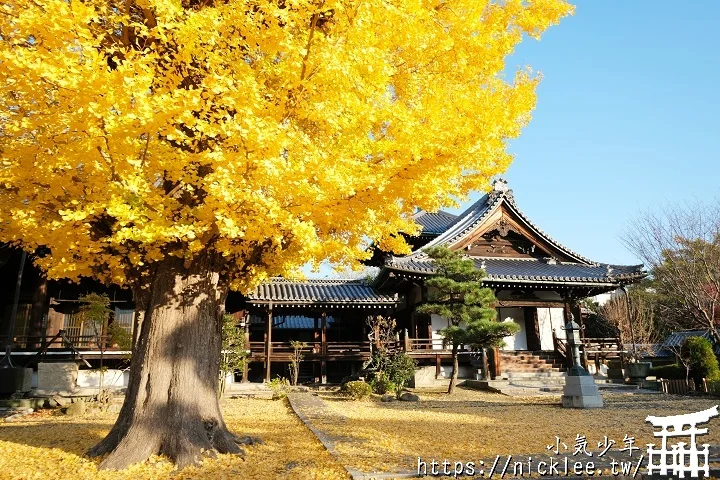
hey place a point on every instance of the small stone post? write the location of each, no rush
(580, 390)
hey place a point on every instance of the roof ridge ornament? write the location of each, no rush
(500, 188)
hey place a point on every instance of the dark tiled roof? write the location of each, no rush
(654, 350)
(319, 292)
(531, 269)
(478, 212)
(433, 223)
(676, 339)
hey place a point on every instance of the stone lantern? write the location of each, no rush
(580, 390)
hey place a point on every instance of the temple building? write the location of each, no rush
(538, 283)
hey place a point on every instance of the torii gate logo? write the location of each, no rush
(679, 460)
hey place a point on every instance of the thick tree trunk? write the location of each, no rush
(453, 377)
(171, 405)
(40, 303)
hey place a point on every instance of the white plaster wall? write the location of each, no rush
(545, 327)
(519, 340)
(557, 316)
(113, 378)
(438, 323)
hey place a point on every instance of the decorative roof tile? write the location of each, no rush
(526, 269)
(467, 221)
(433, 223)
(319, 292)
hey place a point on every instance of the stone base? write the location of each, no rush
(581, 392)
(57, 377)
(15, 380)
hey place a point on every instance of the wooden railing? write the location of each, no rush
(312, 348)
(59, 342)
(603, 347)
(430, 345)
(560, 345)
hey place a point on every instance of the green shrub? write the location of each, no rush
(357, 390)
(703, 362)
(280, 387)
(381, 384)
(669, 372)
(400, 370)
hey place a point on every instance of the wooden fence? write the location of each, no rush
(681, 387)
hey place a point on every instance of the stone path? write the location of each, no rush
(313, 412)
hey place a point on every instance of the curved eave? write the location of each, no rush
(477, 213)
(291, 303)
(529, 279)
(539, 232)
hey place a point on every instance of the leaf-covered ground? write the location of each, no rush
(50, 446)
(472, 425)
(374, 435)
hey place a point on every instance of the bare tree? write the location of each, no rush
(643, 310)
(681, 247)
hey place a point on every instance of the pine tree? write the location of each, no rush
(456, 294)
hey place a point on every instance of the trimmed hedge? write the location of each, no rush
(703, 362)
(357, 389)
(669, 372)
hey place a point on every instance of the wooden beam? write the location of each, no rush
(529, 303)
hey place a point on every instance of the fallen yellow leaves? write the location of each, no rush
(472, 425)
(46, 446)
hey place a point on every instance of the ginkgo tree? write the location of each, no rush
(183, 148)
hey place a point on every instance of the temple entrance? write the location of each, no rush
(517, 315)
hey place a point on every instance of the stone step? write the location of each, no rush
(536, 374)
(547, 385)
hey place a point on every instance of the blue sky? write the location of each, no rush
(627, 119)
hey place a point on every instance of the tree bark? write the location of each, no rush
(40, 303)
(453, 377)
(171, 406)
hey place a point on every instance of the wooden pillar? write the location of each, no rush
(268, 342)
(55, 319)
(430, 332)
(323, 348)
(413, 326)
(532, 328)
(438, 369)
(496, 370)
(484, 366)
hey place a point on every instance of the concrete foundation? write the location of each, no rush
(57, 377)
(15, 380)
(581, 392)
(425, 376)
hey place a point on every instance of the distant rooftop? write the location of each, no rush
(319, 292)
(433, 223)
